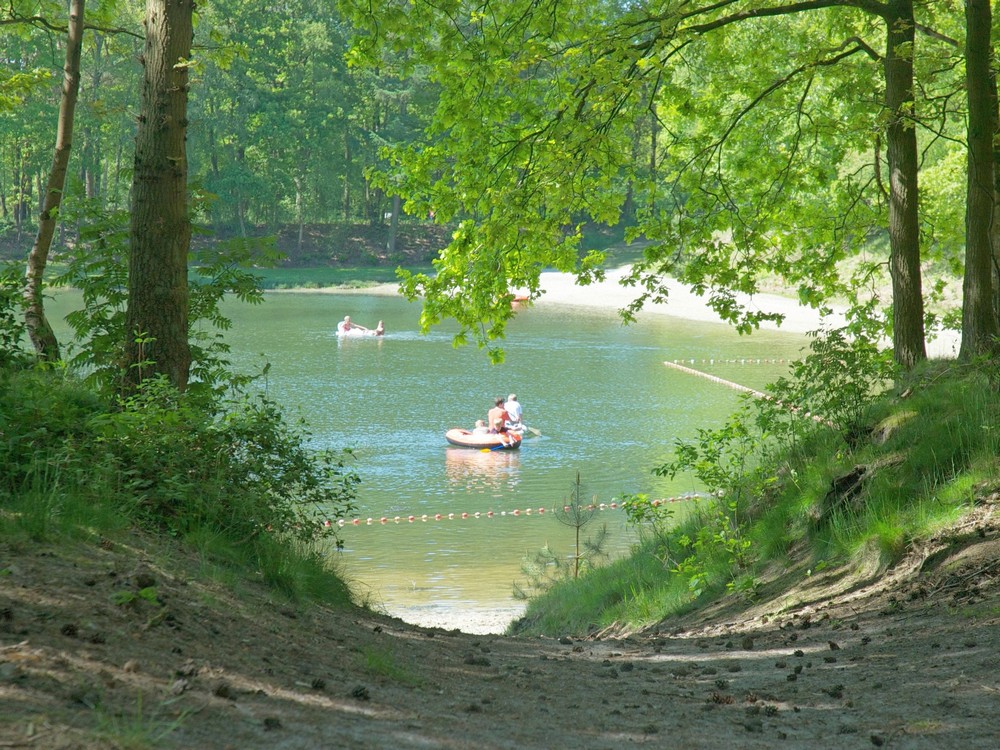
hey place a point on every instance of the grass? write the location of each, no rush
(59, 481)
(140, 728)
(929, 453)
(50, 505)
(380, 662)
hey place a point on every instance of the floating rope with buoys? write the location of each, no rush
(489, 514)
(756, 394)
(740, 361)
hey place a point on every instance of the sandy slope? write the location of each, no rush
(904, 659)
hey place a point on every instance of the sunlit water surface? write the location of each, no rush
(598, 392)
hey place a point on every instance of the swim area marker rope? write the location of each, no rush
(756, 394)
(516, 513)
(536, 512)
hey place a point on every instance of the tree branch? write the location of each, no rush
(43, 23)
(870, 6)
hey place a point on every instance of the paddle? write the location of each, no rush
(498, 447)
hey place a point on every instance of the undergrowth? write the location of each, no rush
(232, 479)
(824, 473)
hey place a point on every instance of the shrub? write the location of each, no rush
(12, 329)
(173, 462)
(187, 463)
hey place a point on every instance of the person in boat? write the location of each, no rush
(497, 413)
(500, 430)
(480, 428)
(379, 329)
(513, 408)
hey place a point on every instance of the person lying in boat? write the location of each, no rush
(347, 325)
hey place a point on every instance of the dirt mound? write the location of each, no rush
(108, 645)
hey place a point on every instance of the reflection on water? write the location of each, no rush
(477, 470)
(598, 392)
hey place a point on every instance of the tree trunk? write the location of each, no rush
(299, 215)
(92, 163)
(901, 145)
(397, 203)
(241, 201)
(995, 225)
(116, 191)
(19, 196)
(979, 322)
(346, 196)
(42, 336)
(156, 335)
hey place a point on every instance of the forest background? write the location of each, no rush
(668, 122)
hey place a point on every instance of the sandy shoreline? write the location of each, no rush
(562, 289)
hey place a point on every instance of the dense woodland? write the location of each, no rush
(740, 139)
(280, 129)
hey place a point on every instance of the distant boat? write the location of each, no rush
(483, 441)
(359, 331)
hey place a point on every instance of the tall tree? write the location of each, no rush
(908, 333)
(530, 136)
(979, 317)
(160, 231)
(904, 220)
(42, 336)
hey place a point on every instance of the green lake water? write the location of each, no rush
(598, 392)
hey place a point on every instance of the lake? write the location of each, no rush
(597, 391)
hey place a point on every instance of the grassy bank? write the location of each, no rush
(800, 498)
(230, 480)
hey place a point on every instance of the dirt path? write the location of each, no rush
(86, 661)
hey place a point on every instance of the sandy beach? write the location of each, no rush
(610, 294)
